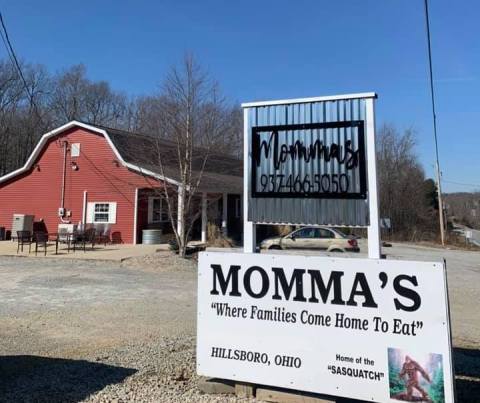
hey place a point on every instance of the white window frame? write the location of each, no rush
(162, 206)
(75, 150)
(112, 212)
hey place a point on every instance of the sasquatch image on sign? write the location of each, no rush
(415, 377)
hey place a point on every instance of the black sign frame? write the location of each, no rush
(255, 141)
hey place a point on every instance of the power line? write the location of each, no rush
(6, 47)
(16, 64)
(12, 54)
(462, 184)
(432, 92)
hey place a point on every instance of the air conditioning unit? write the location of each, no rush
(22, 222)
(64, 230)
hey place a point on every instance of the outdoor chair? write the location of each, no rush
(41, 239)
(82, 239)
(117, 237)
(24, 238)
(72, 239)
(102, 234)
(63, 235)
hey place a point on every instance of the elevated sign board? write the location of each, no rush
(308, 161)
(369, 329)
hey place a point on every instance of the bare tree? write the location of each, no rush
(147, 116)
(464, 208)
(76, 97)
(103, 106)
(68, 97)
(192, 115)
(11, 94)
(403, 188)
(22, 114)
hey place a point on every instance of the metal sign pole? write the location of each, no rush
(249, 228)
(374, 248)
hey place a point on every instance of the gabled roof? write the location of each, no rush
(142, 153)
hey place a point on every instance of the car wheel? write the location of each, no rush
(275, 247)
(337, 250)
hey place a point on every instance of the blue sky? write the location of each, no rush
(272, 49)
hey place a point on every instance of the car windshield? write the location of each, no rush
(342, 234)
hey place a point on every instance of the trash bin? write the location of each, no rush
(151, 236)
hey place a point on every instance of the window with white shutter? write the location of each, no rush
(102, 212)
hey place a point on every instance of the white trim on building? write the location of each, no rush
(44, 139)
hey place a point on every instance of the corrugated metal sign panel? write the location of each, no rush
(286, 184)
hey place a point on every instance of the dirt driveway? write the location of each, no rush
(103, 331)
(123, 331)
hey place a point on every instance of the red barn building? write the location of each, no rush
(87, 174)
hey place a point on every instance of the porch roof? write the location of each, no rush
(222, 173)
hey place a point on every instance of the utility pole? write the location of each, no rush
(437, 164)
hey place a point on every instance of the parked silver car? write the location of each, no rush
(320, 238)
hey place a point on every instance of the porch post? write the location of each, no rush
(204, 217)
(249, 227)
(84, 208)
(224, 213)
(135, 216)
(180, 208)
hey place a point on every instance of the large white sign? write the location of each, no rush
(361, 328)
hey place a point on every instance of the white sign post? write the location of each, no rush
(370, 329)
(360, 328)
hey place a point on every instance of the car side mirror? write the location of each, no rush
(293, 237)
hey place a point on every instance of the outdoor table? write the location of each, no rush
(74, 236)
(67, 237)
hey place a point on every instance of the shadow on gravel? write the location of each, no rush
(467, 362)
(467, 370)
(27, 378)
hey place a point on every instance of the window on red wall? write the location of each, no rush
(75, 150)
(101, 212)
(157, 210)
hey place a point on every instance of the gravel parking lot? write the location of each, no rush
(111, 332)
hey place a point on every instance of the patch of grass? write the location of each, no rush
(216, 238)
